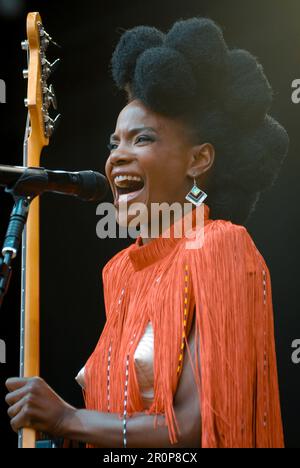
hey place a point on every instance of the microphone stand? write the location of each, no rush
(12, 240)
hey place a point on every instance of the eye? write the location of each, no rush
(142, 138)
(112, 146)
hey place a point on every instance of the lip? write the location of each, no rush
(114, 174)
(129, 197)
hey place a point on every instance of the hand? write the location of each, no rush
(32, 403)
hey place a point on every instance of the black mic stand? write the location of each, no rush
(12, 240)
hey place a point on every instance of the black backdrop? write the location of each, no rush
(72, 314)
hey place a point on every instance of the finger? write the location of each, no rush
(26, 417)
(16, 408)
(15, 382)
(20, 420)
(12, 397)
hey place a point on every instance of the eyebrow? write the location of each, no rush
(133, 131)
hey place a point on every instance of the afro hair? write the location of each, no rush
(222, 95)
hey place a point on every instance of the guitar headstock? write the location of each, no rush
(40, 94)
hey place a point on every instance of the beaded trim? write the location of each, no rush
(265, 353)
(185, 313)
(108, 379)
(126, 379)
(126, 396)
(264, 285)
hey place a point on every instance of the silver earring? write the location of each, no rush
(196, 195)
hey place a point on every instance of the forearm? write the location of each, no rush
(106, 430)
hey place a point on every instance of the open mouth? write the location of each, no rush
(126, 184)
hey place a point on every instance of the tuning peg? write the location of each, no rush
(52, 124)
(52, 96)
(49, 68)
(26, 102)
(24, 45)
(44, 43)
(56, 122)
(54, 65)
(49, 97)
(45, 38)
(25, 74)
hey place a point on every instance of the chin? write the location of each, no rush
(129, 208)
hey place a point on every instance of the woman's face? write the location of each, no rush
(151, 159)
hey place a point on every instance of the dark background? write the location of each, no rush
(72, 313)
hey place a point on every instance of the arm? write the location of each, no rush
(34, 404)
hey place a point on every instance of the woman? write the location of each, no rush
(196, 117)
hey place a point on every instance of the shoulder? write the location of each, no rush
(225, 241)
(220, 230)
(217, 232)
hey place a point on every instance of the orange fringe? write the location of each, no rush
(238, 389)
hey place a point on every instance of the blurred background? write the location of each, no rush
(72, 257)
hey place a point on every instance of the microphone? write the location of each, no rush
(33, 181)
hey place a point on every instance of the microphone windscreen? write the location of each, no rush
(94, 186)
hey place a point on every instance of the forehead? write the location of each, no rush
(136, 115)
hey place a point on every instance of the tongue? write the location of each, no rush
(132, 186)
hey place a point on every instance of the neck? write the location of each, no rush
(158, 224)
(171, 223)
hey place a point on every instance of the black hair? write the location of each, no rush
(222, 95)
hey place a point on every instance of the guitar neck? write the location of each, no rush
(30, 310)
(39, 128)
(30, 297)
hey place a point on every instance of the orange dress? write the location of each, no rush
(226, 284)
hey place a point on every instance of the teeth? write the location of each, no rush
(122, 178)
(127, 177)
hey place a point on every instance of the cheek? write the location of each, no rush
(107, 166)
(162, 161)
(170, 168)
(166, 178)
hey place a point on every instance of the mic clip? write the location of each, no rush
(30, 184)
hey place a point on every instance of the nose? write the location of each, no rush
(120, 157)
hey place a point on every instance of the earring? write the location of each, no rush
(196, 195)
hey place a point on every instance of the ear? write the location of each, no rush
(201, 159)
